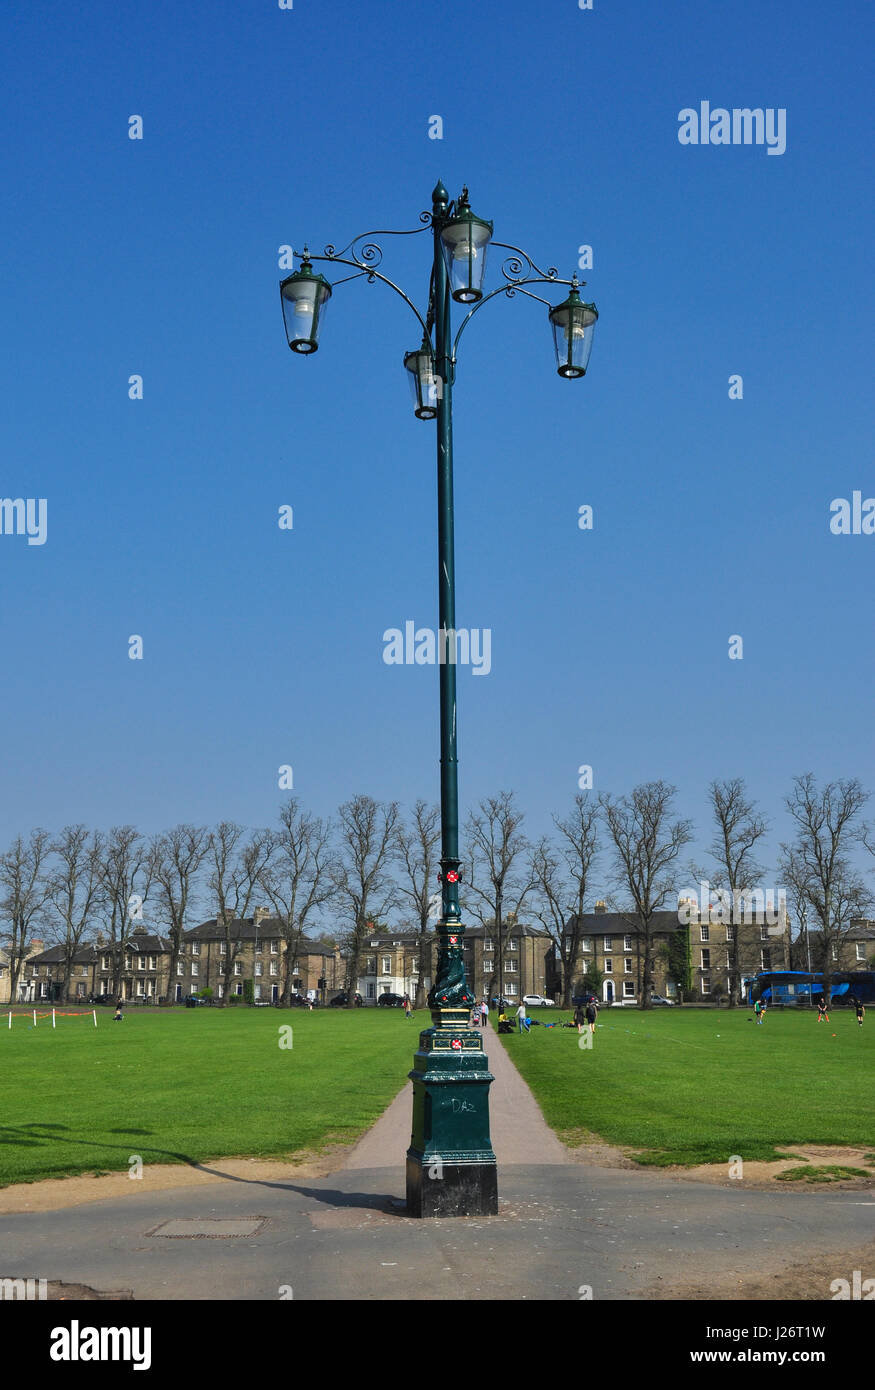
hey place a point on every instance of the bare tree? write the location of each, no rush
(126, 872)
(176, 861)
(24, 885)
(646, 844)
(368, 832)
(738, 829)
(235, 869)
(297, 878)
(500, 879)
(418, 848)
(75, 890)
(816, 864)
(561, 875)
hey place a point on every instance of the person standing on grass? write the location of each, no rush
(861, 1011)
(822, 1010)
(522, 1021)
(118, 1016)
(758, 1010)
(591, 1016)
(579, 1018)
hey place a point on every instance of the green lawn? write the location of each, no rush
(193, 1084)
(694, 1086)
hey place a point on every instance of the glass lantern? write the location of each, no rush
(573, 327)
(464, 239)
(424, 384)
(304, 299)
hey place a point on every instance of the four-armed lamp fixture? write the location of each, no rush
(451, 1169)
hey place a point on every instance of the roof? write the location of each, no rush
(243, 929)
(83, 955)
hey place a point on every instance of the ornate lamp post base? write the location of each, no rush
(451, 1168)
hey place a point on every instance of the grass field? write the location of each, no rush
(694, 1086)
(192, 1084)
(676, 1086)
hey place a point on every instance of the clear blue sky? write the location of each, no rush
(263, 647)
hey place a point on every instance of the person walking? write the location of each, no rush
(759, 1010)
(521, 1020)
(407, 1006)
(579, 1018)
(591, 1016)
(484, 1013)
(861, 1011)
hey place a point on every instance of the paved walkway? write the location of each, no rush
(520, 1133)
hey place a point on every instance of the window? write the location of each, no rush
(194, 969)
(195, 948)
(274, 968)
(511, 945)
(628, 989)
(627, 944)
(861, 952)
(764, 933)
(223, 948)
(370, 965)
(238, 969)
(706, 960)
(609, 943)
(104, 962)
(141, 990)
(766, 959)
(259, 968)
(730, 933)
(609, 967)
(510, 990)
(387, 965)
(586, 943)
(153, 962)
(83, 969)
(510, 967)
(180, 967)
(220, 990)
(627, 966)
(704, 932)
(706, 984)
(274, 947)
(129, 963)
(372, 991)
(835, 951)
(80, 991)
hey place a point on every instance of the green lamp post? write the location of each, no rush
(451, 1166)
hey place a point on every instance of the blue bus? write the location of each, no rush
(801, 986)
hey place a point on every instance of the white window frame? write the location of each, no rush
(627, 966)
(607, 943)
(609, 966)
(704, 932)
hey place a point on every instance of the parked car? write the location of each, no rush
(191, 1001)
(537, 1001)
(502, 1003)
(660, 999)
(587, 998)
(390, 1001)
(342, 999)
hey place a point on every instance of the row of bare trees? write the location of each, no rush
(372, 862)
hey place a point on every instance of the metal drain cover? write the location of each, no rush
(189, 1228)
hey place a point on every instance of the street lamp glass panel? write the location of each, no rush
(464, 240)
(424, 385)
(573, 328)
(304, 298)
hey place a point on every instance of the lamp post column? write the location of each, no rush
(451, 1167)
